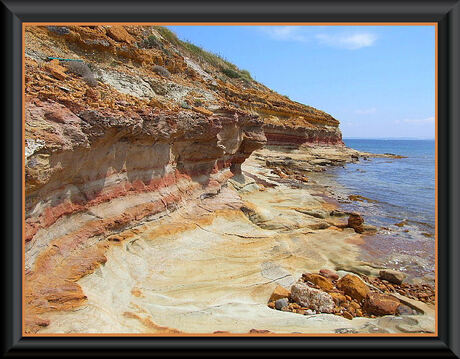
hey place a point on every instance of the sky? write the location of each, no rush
(378, 81)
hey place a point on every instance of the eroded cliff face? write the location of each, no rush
(153, 126)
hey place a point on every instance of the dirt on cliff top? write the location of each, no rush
(131, 68)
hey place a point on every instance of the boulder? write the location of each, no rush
(319, 280)
(392, 276)
(328, 273)
(381, 304)
(278, 293)
(355, 221)
(312, 298)
(354, 287)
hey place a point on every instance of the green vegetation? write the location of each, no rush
(160, 70)
(150, 42)
(226, 67)
(167, 34)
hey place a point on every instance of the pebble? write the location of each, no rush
(280, 303)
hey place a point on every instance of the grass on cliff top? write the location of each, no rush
(226, 67)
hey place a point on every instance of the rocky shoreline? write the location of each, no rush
(372, 295)
(167, 192)
(242, 250)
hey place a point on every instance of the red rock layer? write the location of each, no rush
(130, 145)
(292, 136)
(80, 163)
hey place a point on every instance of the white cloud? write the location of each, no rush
(347, 41)
(418, 121)
(350, 41)
(366, 111)
(284, 33)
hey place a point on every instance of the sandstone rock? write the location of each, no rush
(355, 221)
(119, 33)
(126, 154)
(353, 286)
(281, 303)
(328, 273)
(381, 304)
(56, 69)
(392, 276)
(278, 293)
(338, 297)
(312, 298)
(322, 282)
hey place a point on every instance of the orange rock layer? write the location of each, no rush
(136, 143)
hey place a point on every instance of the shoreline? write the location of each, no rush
(393, 234)
(218, 260)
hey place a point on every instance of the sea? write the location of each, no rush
(398, 197)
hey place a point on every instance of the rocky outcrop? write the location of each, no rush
(289, 135)
(151, 163)
(149, 197)
(103, 157)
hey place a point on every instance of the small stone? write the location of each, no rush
(278, 293)
(328, 273)
(281, 303)
(56, 69)
(294, 306)
(355, 305)
(338, 298)
(392, 276)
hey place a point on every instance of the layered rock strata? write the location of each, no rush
(150, 163)
(128, 207)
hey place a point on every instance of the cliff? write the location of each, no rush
(140, 125)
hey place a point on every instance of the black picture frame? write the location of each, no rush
(445, 12)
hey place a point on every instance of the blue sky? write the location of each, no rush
(378, 81)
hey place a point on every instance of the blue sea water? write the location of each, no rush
(405, 187)
(401, 189)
